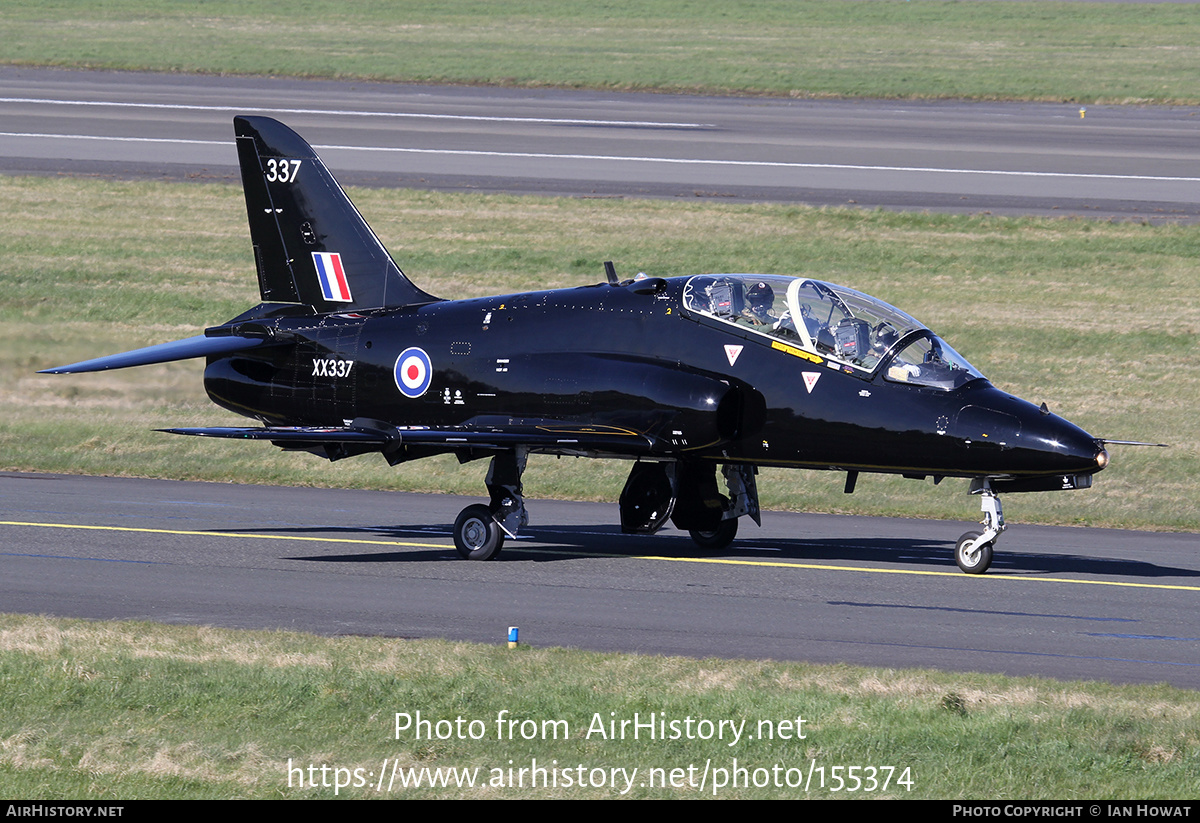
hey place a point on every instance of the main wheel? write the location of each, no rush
(975, 562)
(718, 538)
(477, 535)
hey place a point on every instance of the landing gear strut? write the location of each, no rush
(973, 552)
(685, 493)
(480, 530)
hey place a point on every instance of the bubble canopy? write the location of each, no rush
(838, 324)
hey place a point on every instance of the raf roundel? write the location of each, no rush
(413, 372)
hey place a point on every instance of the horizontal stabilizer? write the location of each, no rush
(198, 346)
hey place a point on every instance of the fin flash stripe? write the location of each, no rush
(332, 276)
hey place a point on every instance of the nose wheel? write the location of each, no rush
(972, 556)
(973, 552)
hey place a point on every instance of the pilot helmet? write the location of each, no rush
(761, 297)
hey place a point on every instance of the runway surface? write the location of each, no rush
(1138, 162)
(1062, 602)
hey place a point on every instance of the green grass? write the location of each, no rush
(133, 710)
(1100, 320)
(1082, 52)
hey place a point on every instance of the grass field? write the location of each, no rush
(1081, 52)
(1099, 320)
(132, 710)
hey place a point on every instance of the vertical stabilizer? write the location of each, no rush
(310, 243)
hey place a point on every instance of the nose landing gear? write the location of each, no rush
(973, 552)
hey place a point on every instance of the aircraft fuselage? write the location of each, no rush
(608, 356)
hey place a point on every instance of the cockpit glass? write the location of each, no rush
(839, 324)
(929, 361)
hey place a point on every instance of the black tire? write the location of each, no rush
(477, 535)
(977, 563)
(718, 538)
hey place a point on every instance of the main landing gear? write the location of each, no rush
(477, 535)
(973, 552)
(686, 493)
(480, 530)
(742, 499)
(716, 539)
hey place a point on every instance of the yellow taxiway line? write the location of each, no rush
(709, 560)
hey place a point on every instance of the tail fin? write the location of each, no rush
(310, 243)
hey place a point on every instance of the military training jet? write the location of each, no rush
(680, 376)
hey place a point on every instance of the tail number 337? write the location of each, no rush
(280, 170)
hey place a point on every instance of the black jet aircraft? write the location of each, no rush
(681, 376)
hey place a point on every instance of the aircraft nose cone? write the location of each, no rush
(1027, 439)
(1061, 445)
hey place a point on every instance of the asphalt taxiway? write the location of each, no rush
(1063, 602)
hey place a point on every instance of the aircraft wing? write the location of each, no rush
(363, 436)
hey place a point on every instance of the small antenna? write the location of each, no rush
(610, 272)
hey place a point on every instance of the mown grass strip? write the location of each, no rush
(104, 709)
(1083, 52)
